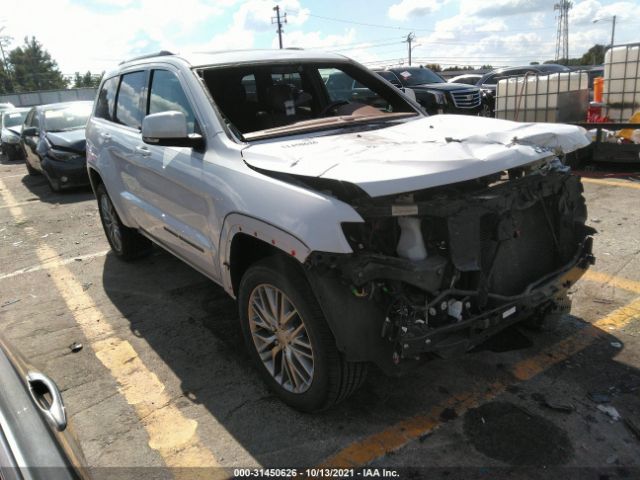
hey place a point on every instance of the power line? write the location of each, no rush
(397, 27)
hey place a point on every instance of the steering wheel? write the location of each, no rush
(333, 105)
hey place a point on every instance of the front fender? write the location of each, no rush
(237, 223)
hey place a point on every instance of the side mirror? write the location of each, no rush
(30, 132)
(169, 129)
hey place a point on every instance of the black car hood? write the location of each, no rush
(73, 140)
(444, 87)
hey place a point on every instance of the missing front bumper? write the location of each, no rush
(537, 298)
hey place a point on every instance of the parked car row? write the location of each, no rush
(51, 140)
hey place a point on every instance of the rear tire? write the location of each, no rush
(125, 242)
(273, 290)
(11, 153)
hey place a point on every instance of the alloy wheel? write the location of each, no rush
(281, 338)
(110, 220)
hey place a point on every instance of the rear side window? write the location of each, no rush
(107, 99)
(129, 103)
(166, 94)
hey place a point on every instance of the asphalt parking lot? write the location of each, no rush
(163, 380)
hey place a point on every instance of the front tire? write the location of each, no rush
(289, 340)
(125, 242)
(54, 184)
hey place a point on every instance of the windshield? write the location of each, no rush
(259, 100)
(72, 117)
(13, 119)
(417, 76)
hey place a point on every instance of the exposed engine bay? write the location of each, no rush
(437, 271)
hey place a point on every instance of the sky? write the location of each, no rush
(95, 35)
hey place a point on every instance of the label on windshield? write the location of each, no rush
(403, 210)
(405, 74)
(14, 115)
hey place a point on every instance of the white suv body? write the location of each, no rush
(268, 209)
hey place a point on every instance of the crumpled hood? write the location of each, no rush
(418, 154)
(71, 140)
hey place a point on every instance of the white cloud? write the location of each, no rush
(501, 8)
(585, 12)
(316, 40)
(494, 25)
(97, 40)
(413, 8)
(537, 20)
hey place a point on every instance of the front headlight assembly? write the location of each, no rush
(440, 97)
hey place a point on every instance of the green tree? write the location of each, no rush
(594, 56)
(86, 80)
(456, 68)
(5, 79)
(33, 68)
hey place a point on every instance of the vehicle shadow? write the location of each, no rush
(193, 326)
(4, 160)
(38, 185)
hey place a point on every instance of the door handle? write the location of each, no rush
(142, 150)
(39, 386)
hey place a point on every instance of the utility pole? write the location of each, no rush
(613, 27)
(410, 38)
(613, 30)
(276, 20)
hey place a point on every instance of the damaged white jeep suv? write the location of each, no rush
(351, 227)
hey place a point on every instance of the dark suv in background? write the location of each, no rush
(489, 82)
(433, 92)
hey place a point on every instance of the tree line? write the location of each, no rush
(29, 67)
(593, 56)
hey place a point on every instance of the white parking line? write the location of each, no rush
(51, 264)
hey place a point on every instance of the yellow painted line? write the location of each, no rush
(52, 263)
(617, 282)
(611, 183)
(19, 204)
(373, 447)
(170, 433)
(13, 176)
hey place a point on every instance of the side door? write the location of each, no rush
(30, 141)
(171, 180)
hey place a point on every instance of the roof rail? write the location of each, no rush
(161, 53)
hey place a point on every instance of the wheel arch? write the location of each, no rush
(246, 240)
(94, 178)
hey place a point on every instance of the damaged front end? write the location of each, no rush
(438, 271)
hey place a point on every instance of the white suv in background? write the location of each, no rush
(350, 227)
